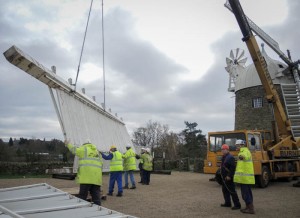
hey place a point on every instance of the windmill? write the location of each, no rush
(235, 65)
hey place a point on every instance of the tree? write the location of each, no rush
(11, 142)
(169, 144)
(151, 135)
(194, 144)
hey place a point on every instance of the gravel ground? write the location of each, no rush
(184, 194)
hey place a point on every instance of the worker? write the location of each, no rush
(227, 170)
(89, 174)
(129, 167)
(244, 175)
(115, 170)
(147, 161)
(140, 164)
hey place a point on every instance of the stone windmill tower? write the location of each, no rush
(252, 111)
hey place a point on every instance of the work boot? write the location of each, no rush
(249, 209)
(236, 207)
(225, 205)
(133, 187)
(110, 194)
(120, 194)
(125, 187)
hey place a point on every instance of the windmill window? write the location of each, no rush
(257, 102)
(280, 66)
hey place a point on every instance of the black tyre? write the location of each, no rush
(263, 180)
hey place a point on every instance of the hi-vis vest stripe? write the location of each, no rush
(129, 160)
(98, 160)
(116, 163)
(244, 173)
(90, 164)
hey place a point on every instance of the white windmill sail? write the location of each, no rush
(80, 117)
(235, 65)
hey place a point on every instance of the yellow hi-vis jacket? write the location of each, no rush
(116, 163)
(147, 161)
(244, 172)
(89, 165)
(129, 160)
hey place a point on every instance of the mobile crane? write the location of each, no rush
(272, 158)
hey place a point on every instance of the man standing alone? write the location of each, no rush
(227, 172)
(244, 175)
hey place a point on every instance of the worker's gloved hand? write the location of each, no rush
(227, 178)
(241, 157)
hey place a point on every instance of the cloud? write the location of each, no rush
(142, 82)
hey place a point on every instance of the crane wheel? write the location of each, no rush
(263, 180)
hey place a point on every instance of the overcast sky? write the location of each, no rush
(164, 59)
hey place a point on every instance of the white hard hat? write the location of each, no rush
(240, 142)
(148, 150)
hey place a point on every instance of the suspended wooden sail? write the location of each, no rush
(80, 117)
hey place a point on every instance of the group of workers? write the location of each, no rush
(241, 173)
(89, 174)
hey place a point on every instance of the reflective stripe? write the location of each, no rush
(246, 160)
(116, 164)
(90, 165)
(243, 174)
(91, 158)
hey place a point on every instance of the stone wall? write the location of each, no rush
(247, 117)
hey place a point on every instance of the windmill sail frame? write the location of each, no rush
(80, 117)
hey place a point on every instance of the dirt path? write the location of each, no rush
(184, 194)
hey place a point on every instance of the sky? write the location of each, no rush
(164, 59)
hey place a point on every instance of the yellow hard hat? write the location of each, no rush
(112, 147)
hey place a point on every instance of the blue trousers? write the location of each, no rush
(130, 173)
(247, 193)
(115, 176)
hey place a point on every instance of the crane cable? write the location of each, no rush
(103, 58)
(87, 24)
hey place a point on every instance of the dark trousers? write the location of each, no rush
(146, 177)
(228, 189)
(142, 175)
(115, 176)
(94, 190)
(247, 193)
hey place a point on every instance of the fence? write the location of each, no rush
(183, 164)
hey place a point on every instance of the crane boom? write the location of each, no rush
(294, 66)
(283, 124)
